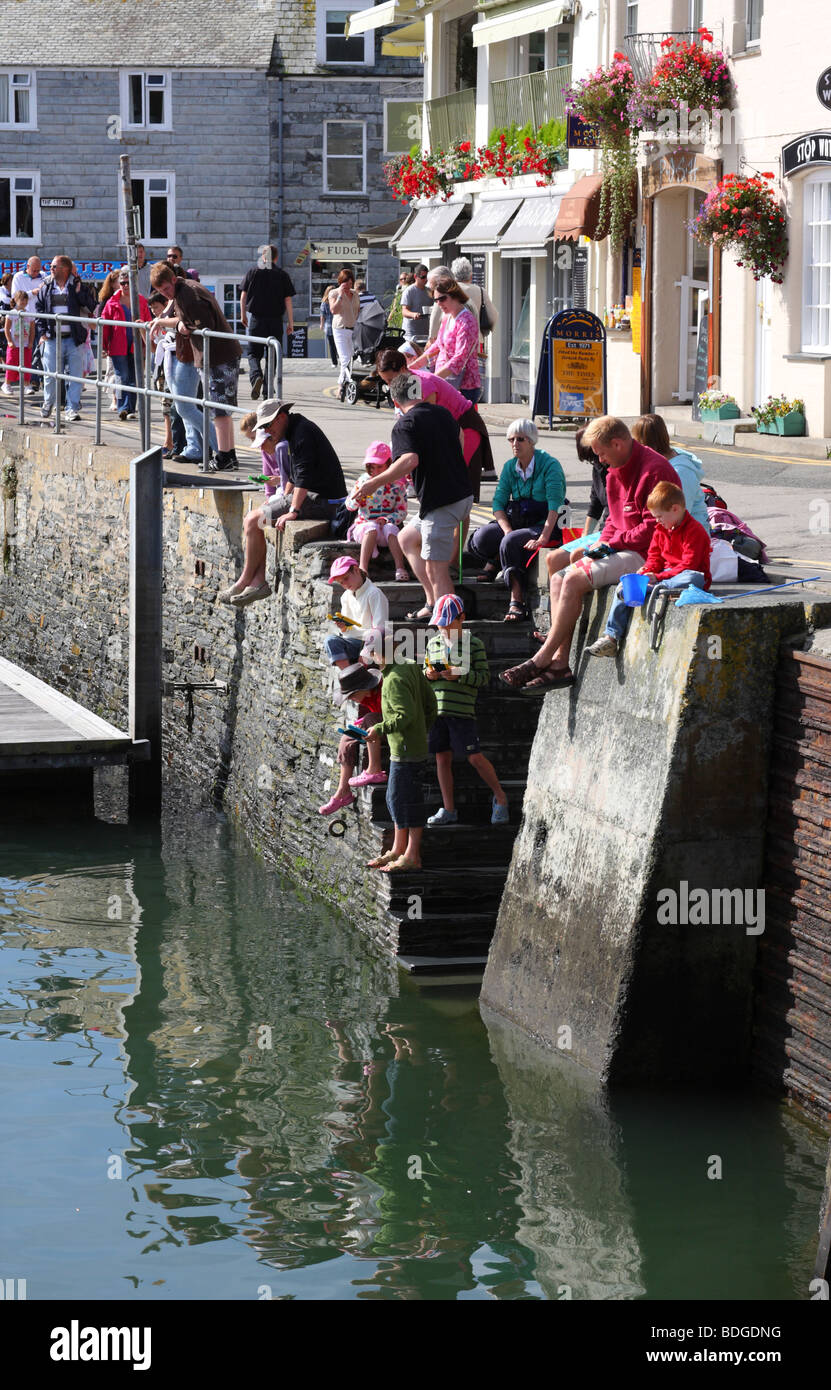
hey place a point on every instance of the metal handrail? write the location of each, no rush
(145, 393)
(451, 119)
(536, 97)
(644, 50)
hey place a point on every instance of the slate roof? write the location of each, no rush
(147, 33)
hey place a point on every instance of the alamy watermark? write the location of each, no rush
(712, 907)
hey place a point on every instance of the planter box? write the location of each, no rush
(769, 428)
(723, 412)
(792, 423)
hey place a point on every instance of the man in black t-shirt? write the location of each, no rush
(266, 296)
(427, 442)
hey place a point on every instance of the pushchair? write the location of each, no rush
(369, 337)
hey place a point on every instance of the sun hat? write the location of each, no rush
(448, 608)
(269, 410)
(378, 452)
(358, 677)
(340, 567)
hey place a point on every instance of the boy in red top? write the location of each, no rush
(679, 555)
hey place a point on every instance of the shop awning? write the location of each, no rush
(489, 219)
(407, 42)
(379, 16)
(580, 209)
(532, 227)
(431, 226)
(514, 23)
(385, 234)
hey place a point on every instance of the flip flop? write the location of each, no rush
(552, 678)
(381, 860)
(401, 866)
(421, 616)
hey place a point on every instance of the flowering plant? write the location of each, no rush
(603, 100)
(743, 213)
(776, 407)
(711, 400)
(509, 153)
(687, 73)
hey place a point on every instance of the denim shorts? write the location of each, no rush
(405, 794)
(453, 733)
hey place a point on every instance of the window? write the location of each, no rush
(755, 10)
(816, 324)
(19, 206)
(536, 51)
(145, 100)
(333, 47)
(402, 126)
(17, 99)
(344, 157)
(631, 17)
(562, 53)
(154, 196)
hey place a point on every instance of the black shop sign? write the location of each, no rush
(824, 88)
(297, 343)
(806, 151)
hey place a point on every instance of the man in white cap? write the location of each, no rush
(297, 452)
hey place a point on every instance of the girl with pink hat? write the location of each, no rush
(380, 518)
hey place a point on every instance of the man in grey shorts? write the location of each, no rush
(427, 442)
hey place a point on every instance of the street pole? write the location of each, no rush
(131, 222)
(145, 678)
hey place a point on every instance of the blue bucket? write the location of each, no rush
(634, 589)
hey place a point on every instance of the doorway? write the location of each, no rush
(764, 340)
(695, 292)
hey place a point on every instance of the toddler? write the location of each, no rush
(20, 337)
(381, 516)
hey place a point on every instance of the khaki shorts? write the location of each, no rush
(438, 527)
(601, 573)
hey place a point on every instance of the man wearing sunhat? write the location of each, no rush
(297, 451)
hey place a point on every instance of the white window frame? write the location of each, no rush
(34, 175)
(401, 101)
(821, 349)
(32, 122)
(760, 4)
(323, 9)
(631, 9)
(144, 73)
(149, 240)
(341, 192)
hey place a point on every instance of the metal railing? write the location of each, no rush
(451, 119)
(146, 393)
(644, 50)
(537, 97)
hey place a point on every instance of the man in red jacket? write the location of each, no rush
(679, 555)
(624, 544)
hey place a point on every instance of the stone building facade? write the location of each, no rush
(246, 123)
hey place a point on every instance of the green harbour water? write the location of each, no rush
(214, 1090)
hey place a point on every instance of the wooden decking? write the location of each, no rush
(40, 728)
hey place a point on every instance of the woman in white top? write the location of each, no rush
(345, 303)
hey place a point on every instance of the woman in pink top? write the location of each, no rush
(456, 347)
(438, 391)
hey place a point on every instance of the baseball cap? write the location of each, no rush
(340, 567)
(448, 608)
(378, 452)
(358, 677)
(269, 410)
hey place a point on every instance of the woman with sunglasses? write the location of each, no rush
(526, 508)
(390, 363)
(456, 347)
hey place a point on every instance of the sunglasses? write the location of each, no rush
(440, 298)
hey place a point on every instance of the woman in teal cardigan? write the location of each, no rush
(526, 508)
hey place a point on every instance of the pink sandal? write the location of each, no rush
(368, 779)
(336, 803)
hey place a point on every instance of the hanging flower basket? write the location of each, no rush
(743, 213)
(602, 100)
(689, 73)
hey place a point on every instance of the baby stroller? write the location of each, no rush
(369, 336)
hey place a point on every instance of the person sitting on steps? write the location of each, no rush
(379, 519)
(457, 676)
(361, 686)
(366, 606)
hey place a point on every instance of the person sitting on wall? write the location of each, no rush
(526, 507)
(651, 430)
(564, 555)
(310, 475)
(362, 687)
(366, 610)
(624, 543)
(679, 555)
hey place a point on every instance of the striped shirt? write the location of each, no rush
(458, 697)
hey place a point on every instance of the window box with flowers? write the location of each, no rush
(744, 214)
(779, 415)
(718, 405)
(689, 74)
(508, 154)
(602, 100)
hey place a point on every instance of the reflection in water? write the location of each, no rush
(266, 1108)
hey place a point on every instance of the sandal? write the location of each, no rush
(381, 860)
(487, 576)
(517, 612)
(552, 678)
(402, 577)
(518, 676)
(421, 616)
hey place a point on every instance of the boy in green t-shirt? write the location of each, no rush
(457, 686)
